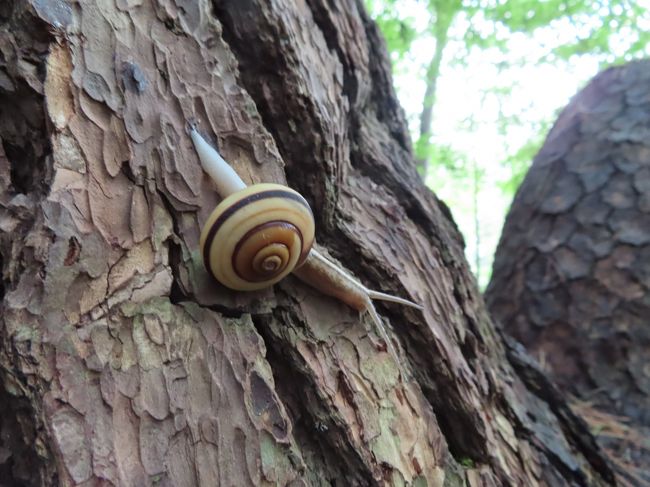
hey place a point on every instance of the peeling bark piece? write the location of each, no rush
(561, 228)
(591, 210)
(57, 13)
(60, 104)
(619, 193)
(642, 181)
(562, 196)
(68, 429)
(572, 264)
(630, 228)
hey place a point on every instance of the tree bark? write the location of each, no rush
(571, 275)
(123, 364)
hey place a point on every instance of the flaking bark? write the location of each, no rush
(571, 275)
(123, 364)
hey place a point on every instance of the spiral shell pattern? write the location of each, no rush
(257, 236)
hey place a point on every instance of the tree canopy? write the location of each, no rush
(481, 82)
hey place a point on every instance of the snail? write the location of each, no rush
(259, 234)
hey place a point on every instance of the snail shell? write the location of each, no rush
(257, 236)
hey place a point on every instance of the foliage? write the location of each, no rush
(445, 156)
(399, 32)
(451, 32)
(597, 25)
(519, 160)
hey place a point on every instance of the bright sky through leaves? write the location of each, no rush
(491, 102)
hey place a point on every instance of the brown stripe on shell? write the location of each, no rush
(251, 275)
(274, 193)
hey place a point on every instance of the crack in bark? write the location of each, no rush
(576, 429)
(275, 64)
(25, 456)
(2, 279)
(20, 463)
(331, 450)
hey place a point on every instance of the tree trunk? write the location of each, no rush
(444, 16)
(571, 275)
(123, 364)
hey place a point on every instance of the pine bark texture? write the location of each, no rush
(123, 364)
(571, 276)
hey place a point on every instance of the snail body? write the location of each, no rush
(259, 234)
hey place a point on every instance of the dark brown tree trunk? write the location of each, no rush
(123, 364)
(571, 276)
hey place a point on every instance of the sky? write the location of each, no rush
(539, 93)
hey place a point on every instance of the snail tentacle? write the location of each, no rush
(370, 308)
(224, 176)
(393, 299)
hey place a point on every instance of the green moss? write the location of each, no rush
(467, 462)
(25, 333)
(148, 353)
(277, 466)
(159, 306)
(420, 482)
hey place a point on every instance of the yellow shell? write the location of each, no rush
(257, 236)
